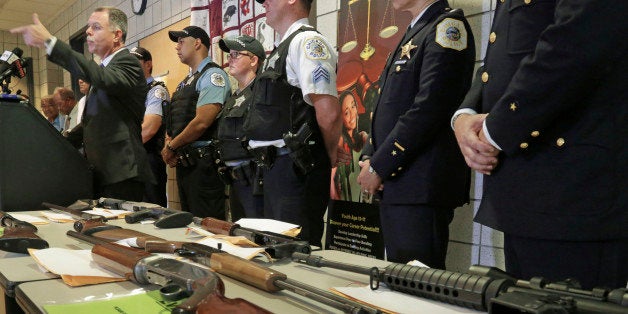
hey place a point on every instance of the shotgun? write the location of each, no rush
(203, 288)
(248, 272)
(18, 236)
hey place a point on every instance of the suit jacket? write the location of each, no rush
(426, 77)
(561, 120)
(111, 124)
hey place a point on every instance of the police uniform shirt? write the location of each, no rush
(213, 85)
(155, 97)
(311, 62)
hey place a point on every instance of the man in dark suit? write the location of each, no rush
(553, 144)
(412, 155)
(111, 123)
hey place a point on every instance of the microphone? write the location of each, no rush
(11, 63)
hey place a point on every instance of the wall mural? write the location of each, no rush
(367, 32)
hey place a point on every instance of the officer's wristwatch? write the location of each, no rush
(371, 170)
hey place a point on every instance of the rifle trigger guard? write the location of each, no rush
(374, 278)
(172, 292)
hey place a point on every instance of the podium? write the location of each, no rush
(37, 164)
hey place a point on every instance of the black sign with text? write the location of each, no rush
(354, 228)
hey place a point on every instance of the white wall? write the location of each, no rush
(470, 243)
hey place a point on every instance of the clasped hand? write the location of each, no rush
(478, 153)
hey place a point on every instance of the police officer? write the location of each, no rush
(153, 130)
(296, 88)
(554, 139)
(245, 56)
(190, 125)
(412, 156)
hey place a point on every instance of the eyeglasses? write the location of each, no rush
(237, 54)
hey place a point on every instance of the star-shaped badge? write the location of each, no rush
(405, 49)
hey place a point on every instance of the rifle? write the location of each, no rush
(177, 279)
(275, 244)
(247, 272)
(18, 236)
(164, 217)
(111, 233)
(74, 213)
(486, 289)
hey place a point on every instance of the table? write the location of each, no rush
(16, 268)
(32, 289)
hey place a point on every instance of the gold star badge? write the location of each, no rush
(405, 49)
(394, 153)
(513, 106)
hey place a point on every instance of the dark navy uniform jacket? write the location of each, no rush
(426, 77)
(554, 85)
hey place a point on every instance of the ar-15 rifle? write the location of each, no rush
(177, 279)
(17, 235)
(275, 244)
(486, 289)
(164, 217)
(247, 272)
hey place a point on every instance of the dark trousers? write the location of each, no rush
(201, 191)
(243, 203)
(128, 190)
(415, 231)
(299, 199)
(156, 193)
(592, 263)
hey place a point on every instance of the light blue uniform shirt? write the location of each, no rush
(155, 97)
(213, 86)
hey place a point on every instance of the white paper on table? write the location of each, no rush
(108, 213)
(70, 262)
(246, 253)
(196, 231)
(30, 219)
(57, 217)
(398, 302)
(262, 224)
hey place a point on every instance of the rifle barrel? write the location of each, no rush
(325, 297)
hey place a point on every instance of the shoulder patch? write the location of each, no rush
(315, 49)
(217, 79)
(160, 93)
(450, 33)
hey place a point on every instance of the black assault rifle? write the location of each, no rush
(486, 289)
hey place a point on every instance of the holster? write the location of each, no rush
(302, 159)
(264, 156)
(224, 173)
(244, 172)
(258, 181)
(188, 156)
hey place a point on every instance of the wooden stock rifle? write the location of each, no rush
(203, 288)
(247, 272)
(18, 236)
